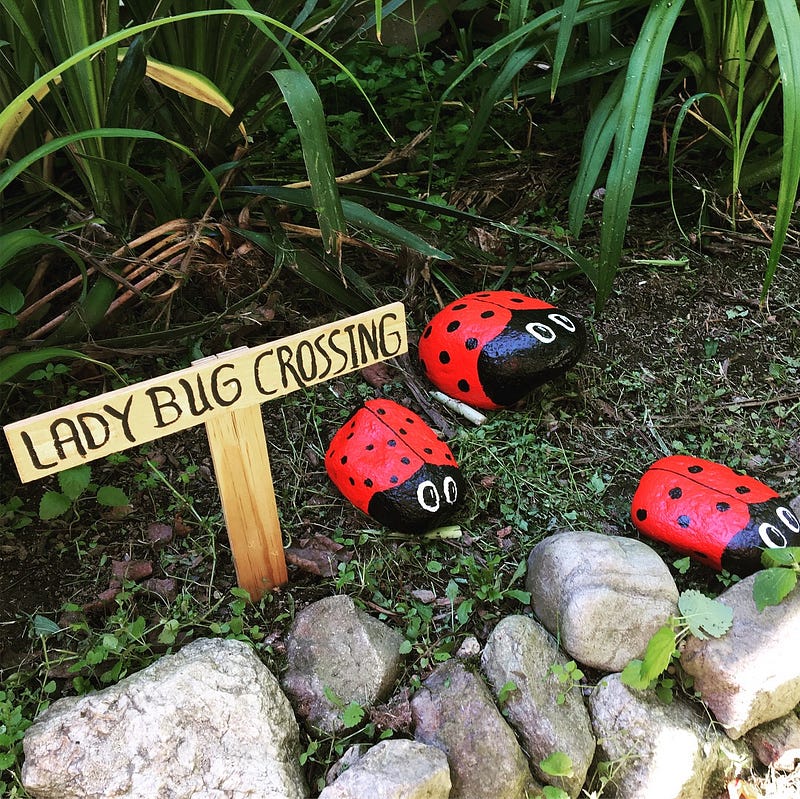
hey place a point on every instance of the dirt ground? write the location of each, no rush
(683, 359)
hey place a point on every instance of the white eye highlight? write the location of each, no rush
(450, 490)
(541, 332)
(428, 496)
(789, 519)
(562, 321)
(771, 535)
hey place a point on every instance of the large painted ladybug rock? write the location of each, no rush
(491, 348)
(391, 465)
(706, 510)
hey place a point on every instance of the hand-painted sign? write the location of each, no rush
(118, 420)
(224, 393)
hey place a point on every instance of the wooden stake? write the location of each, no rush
(241, 464)
(224, 392)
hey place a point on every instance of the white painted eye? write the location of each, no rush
(450, 490)
(428, 496)
(789, 519)
(771, 535)
(562, 321)
(541, 332)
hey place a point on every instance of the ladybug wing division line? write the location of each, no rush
(710, 512)
(391, 466)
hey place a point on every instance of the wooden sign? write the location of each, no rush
(223, 392)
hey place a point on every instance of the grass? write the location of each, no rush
(682, 364)
(684, 359)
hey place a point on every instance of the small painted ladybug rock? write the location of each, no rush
(708, 511)
(491, 348)
(391, 465)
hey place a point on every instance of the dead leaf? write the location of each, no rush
(377, 375)
(159, 534)
(319, 555)
(135, 570)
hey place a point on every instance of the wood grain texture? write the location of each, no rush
(152, 409)
(241, 463)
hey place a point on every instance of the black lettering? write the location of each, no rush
(37, 464)
(73, 437)
(368, 338)
(158, 406)
(215, 384)
(123, 416)
(88, 434)
(257, 374)
(308, 375)
(332, 344)
(382, 339)
(196, 409)
(324, 353)
(353, 351)
(284, 355)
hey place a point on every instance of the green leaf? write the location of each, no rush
(664, 691)
(352, 715)
(11, 298)
(520, 596)
(112, 497)
(784, 20)
(20, 361)
(405, 647)
(8, 175)
(451, 592)
(306, 109)
(73, 482)
(505, 691)
(704, 616)
(464, 610)
(7, 321)
(53, 504)
(785, 556)
(682, 564)
(433, 566)
(554, 792)
(632, 676)
(357, 215)
(558, 764)
(635, 109)
(772, 586)
(43, 626)
(658, 654)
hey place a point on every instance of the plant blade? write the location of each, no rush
(784, 19)
(635, 111)
(305, 107)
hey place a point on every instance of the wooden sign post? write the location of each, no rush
(223, 392)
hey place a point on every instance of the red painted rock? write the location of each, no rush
(491, 348)
(712, 513)
(391, 465)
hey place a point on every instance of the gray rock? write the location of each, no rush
(547, 716)
(333, 645)
(395, 769)
(209, 721)
(752, 674)
(660, 751)
(455, 712)
(602, 596)
(777, 743)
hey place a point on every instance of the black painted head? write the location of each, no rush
(535, 346)
(772, 525)
(426, 500)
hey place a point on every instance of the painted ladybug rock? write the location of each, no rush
(491, 348)
(704, 509)
(391, 465)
